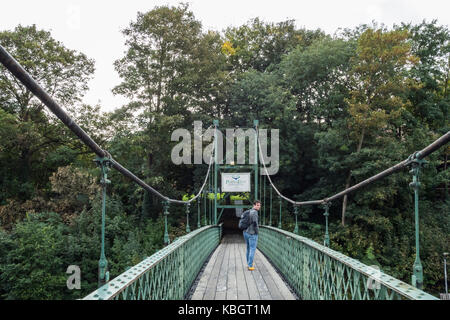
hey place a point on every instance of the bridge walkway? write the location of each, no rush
(226, 277)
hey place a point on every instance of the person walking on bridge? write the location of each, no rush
(251, 234)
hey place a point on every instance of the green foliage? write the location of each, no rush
(431, 104)
(314, 76)
(29, 133)
(147, 207)
(258, 45)
(259, 96)
(34, 268)
(347, 107)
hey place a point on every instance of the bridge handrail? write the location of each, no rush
(176, 275)
(312, 278)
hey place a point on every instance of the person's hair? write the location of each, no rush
(256, 201)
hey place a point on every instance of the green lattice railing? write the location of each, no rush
(316, 272)
(166, 275)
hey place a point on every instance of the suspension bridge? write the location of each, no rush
(207, 263)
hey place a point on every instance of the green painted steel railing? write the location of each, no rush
(166, 275)
(316, 272)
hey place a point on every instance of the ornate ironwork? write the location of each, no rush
(105, 165)
(166, 275)
(188, 228)
(416, 164)
(316, 272)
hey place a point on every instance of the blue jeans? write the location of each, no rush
(251, 240)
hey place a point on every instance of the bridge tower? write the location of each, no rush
(235, 178)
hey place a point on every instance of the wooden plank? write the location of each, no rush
(253, 292)
(282, 287)
(203, 281)
(226, 275)
(241, 267)
(210, 291)
(231, 281)
(260, 283)
(221, 288)
(270, 283)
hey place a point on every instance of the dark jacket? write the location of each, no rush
(253, 227)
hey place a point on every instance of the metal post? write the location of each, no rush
(259, 190)
(296, 220)
(326, 241)
(209, 200)
(166, 213)
(255, 124)
(210, 203)
(279, 220)
(204, 206)
(188, 229)
(445, 273)
(417, 277)
(198, 213)
(270, 214)
(103, 274)
(216, 167)
(264, 200)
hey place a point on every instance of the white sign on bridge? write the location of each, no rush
(236, 182)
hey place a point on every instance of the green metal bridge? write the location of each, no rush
(312, 270)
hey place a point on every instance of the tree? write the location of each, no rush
(34, 267)
(257, 45)
(160, 44)
(74, 189)
(259, 95)
(147, 203)
(317, 77)
(430, 99)
(63, 73)
(170, 71)
(379, 79)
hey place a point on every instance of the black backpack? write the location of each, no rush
(244, 222)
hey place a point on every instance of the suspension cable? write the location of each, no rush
(265, 169)
(213, 149)
(444, 139)
(25, 78)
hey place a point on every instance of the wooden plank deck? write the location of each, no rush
(226, 277)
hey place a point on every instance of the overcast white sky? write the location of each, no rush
(93, 27)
